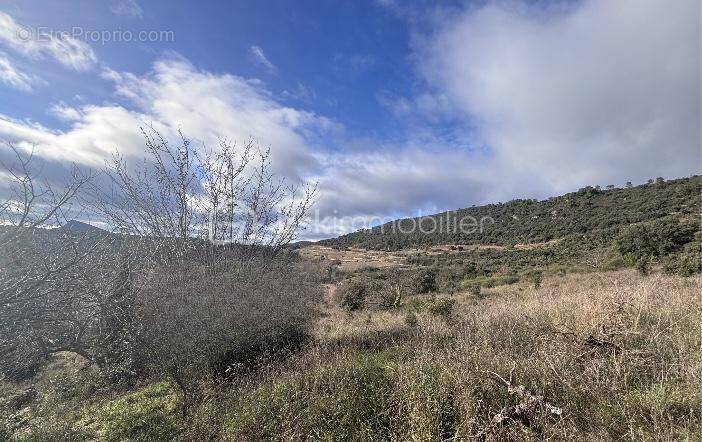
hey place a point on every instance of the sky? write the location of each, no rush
(393, 108)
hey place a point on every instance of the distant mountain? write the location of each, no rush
(80, 227)
(528, 221)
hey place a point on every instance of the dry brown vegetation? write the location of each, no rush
(620, 354)
(353, 259)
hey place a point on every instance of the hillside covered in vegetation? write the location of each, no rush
(530, 221)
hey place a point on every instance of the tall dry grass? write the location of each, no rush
(370, 376)
(620, 354)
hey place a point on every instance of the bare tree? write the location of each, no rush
(41, 311)
(210, 226)
(224, 196)
(194, 279)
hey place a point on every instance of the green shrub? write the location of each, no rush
(686, 263)
(411, 319)
(442, 307)
(658, 238)
(490, 282)
(506, 280)
(614, 264)
(425, 281)
(642, 265)
(353, 294)
(629, 259)
(474, 290)
(561, 270)
(537, 277)
(416, 305)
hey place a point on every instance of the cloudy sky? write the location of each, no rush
(395, 108)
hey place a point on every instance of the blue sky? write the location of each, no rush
(334, 58)
(395, 108)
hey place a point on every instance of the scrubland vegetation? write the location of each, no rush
(180, 326)
(591, 211)
(618, 353)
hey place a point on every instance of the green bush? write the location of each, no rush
(416, 305)
(474, 290)
(658, 238)
(629, 259)
(353, 294)
(614, 264)
(643, 265)
(490, 282)
(536, 277)
(425, 281)
(686, 263)
(411, 319)
(442, 307)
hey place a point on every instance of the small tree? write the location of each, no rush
(46, 275)
(217, 286)
(425, 281)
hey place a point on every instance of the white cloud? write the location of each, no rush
(65, 112)
(175, 95)
(300, 92)
(13, 77)
(39, 44)
(595, 92)
(403, 181)
(128, 8)
(260, 57)
(428, 106)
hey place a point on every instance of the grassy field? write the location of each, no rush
(599, 356)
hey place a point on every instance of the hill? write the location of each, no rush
(80, 227)
(527, 221)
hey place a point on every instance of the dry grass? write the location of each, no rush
(372, 375)
(353, 259)
(645, 386)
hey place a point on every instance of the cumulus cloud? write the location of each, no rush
(65, 112)
(550, 98)
(176, 95)
(401, 182)
(260, 58)
(68, 51)
(128, 8)
(591, 92)
(15, 78)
